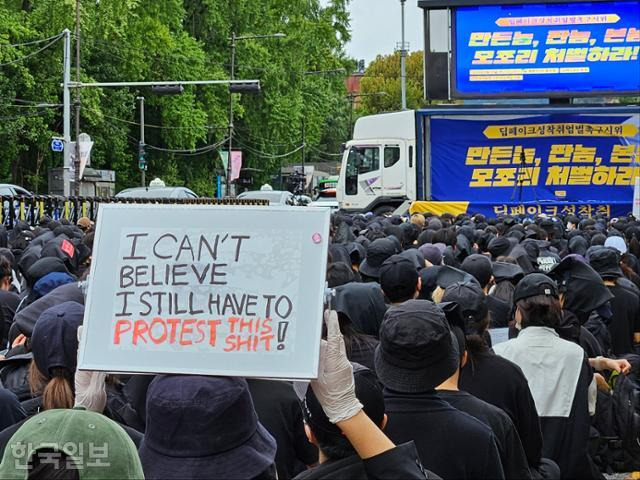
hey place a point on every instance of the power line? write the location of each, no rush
(183, 153)
(16, 117)
(40, 105)
(33, 54)
(325, 153)
(162, 127)
(270, 155)
(263, 140)
(191, 151)
(33, 42)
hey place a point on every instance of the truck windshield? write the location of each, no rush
(361, 160)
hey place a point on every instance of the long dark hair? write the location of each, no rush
(540, 311)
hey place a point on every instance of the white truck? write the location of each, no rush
(388, 163)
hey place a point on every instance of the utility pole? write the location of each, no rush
(77, 105)
(142, 159)
(239, 89)
(403, 61)
(232, 74)
(304, 144)
(66, 113)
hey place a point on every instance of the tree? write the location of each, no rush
(173, 39)
(383, 75)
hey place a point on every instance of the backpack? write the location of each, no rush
(626, 422)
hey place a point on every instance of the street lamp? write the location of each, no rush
(233, 42)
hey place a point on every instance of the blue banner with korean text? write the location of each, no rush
(558, 159)
(579, 48)
(533, 209)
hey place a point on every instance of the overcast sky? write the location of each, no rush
(375, 27)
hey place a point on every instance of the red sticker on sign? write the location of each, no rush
(68, 248)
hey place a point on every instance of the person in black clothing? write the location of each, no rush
(480, 267)
(558, 373)
(9, 301)
(338, 459)
(624, 326)
(399, 279)
(470, 317)
(417, 352)
(514, 460)
(501, 383)
(279, 412)
(360, 308)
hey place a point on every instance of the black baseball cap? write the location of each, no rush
(398, 278)
(368, 392)
(55, 337)
(417, 351)
(471, 300)
(480, 267)
(533, 285)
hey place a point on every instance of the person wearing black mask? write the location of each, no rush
(501, 383)
(558, 373)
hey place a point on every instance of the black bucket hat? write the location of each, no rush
(417, 351)
(203, 427)
(606, 261)
(377, 253)
(507, 271)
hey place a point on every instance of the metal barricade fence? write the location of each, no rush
(32, 208)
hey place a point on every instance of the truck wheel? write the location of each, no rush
(384, 211)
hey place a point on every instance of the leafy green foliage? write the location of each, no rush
(383, 75)
(144, 40)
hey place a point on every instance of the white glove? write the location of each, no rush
(91, 392)
(335, 387)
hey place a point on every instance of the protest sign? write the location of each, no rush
(212, 290)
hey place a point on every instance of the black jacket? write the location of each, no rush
(626, 319)
(400, 463)
(514, 460)
(500, 312)
(279, 412)
(451, 443)
(500, 382)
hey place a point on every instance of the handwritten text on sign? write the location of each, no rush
(183, 289)
(206, 290)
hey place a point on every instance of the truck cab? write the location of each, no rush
(379, 164)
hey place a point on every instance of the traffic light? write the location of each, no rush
(167, 89)
(245, 87)
(142, 157)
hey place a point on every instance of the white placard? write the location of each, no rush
(213, 290)
(499, 335)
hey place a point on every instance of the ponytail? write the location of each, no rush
(58, 392)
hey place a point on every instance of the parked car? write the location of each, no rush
(8, 189)
(275, 197)
(157, 192)
(331, 202)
